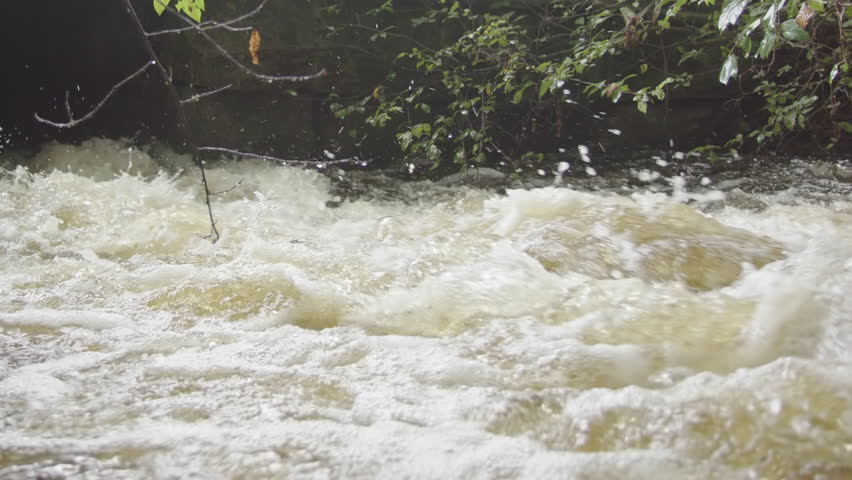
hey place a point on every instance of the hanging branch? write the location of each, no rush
(211, 25)
(182, 122)
(154, 59)
(199, 96)
(74, 121)
(230, 58)
(284, 161)
(222, 192)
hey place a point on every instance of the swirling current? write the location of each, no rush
(454, 333)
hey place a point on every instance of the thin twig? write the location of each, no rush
(199, 96)
(237, 63)
(182, 122)
(229, 189)
(283, 161)
(211, 25)
(72, 121)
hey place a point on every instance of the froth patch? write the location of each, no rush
(459, 297)
(99, 158)
(50, 318)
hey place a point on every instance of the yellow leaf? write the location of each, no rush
(254, 46)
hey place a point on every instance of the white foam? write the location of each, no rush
(457, 334)
(63, 318)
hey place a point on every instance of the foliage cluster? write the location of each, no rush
(469, 80)
(191, 8)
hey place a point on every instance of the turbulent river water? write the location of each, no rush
(453, 333)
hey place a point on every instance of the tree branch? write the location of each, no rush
(237, 63)
(220, 192)
(211, 25)
(153, 59)
(182, 122)
(72, 121)
(285, 161)
(199, 96)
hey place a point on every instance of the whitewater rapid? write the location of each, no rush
(454, 333)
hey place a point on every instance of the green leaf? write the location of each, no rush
(545, 86)
(404, 140)
(519, 91)
(729, 69)
(770, 17)
(433, 152)
(792, 31)
(835, 70)
(817, 5)
(160, 6)
(845, 126)
(745, 44)
(767, 45)
(731, 12)
(191, 8)
(643, 68)
(790, 120)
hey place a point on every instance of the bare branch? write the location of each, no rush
(211, 25)
(72, 121)
(228, 189)
(182, 122)
(199, 96)
(284, 161)
(237, 63)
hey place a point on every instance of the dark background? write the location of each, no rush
(82, 47)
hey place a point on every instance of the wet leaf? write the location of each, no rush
(729, 69)
(835, 70)
(731, 12)
(254, 46)
(767, 44)
(790, 120)
(792, 31)
(610, 89)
